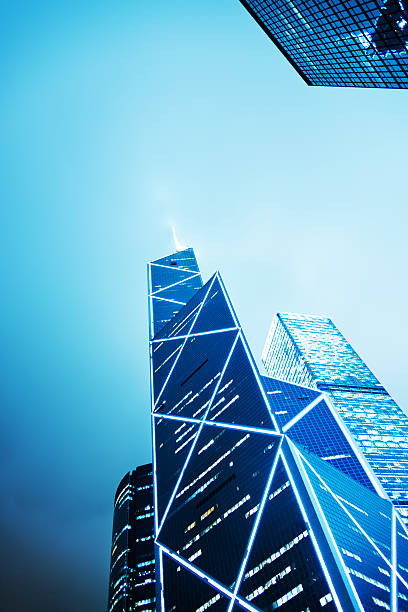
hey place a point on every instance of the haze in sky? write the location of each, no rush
(121, 121)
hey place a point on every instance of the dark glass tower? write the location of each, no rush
(251, 510)
(361, 43)
(310, 350)
(132, 571)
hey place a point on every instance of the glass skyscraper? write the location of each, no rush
(359, 43)
(262, 499)
(132, 569)
(311, 351)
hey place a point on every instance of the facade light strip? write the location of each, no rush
(302, 413)
(161, 580)
(170, 267)
(249, 429)
(192, 335)
(184, 343)
(155, 506)
(193, 275)
(394, 591)
(201, 574)
(156, 297)
(255, 527)
(195, 570)
(154, 463)
(227, 299)
(197, 434)
(313, 537)
(329, 535)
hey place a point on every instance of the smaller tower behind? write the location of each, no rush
(132, 569)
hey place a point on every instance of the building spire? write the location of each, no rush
(177, 244)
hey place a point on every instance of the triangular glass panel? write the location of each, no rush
(184, 590)
(282, 549)
(161, 278)
(239, 399)
(180, 259)
(164, 354)
(183, 291)
(195, 375)
(319, 432)
(402, 596)
(173, 440)
(181, 324)
(287, 400)
(213, 510)
(369, 572)
(163, 313)
(215, 313)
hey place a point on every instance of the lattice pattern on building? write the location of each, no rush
(247, 516)
(359, 43)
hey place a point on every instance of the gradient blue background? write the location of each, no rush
(118, 120)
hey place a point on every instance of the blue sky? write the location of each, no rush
(119, 120)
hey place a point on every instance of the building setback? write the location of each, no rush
(132, 570)
(250, 511)
(311, 351)
(353, 43)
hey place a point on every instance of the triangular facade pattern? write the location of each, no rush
(172, 282)
(262, 500)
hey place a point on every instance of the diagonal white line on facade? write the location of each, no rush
(357, 524)
(302, 413)
(193, 275)
(193, 335)
(227, 299)
(255, 527)
(206, 577)
(316, 544)
(258, 380)
(184, 343)
(155, 297)
(245, 604)
(197, 435)
(182, 323)
(167, 359)
(172, 267)
(248, 428)
(201, 574)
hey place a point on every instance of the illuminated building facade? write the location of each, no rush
(360, 43)
(311, 351)
(250, 511)
(132, 572)
(172, 283)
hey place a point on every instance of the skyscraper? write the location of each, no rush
(361, 43)
(132, 570)
(310, 350)
(250, 512)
